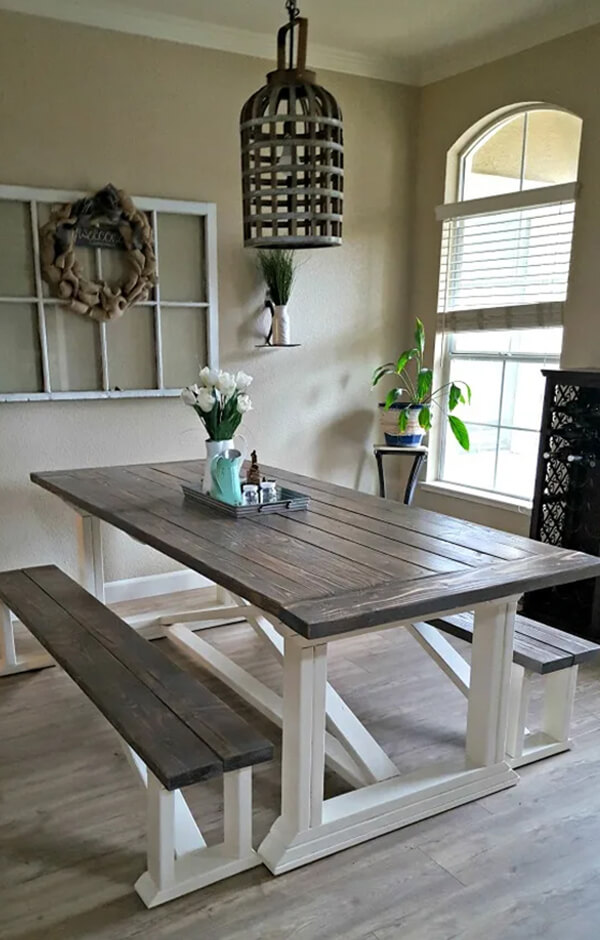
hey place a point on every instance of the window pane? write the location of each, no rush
(184, 345)
(552, 148)
(16, 255)
(523, 395)
(493, 166)
(130, 347)
(482, 341)
(546, 341)
(181, 257)
(517, 457)
(73, 350)
(20, 362)
(484, 379)
(476, 466)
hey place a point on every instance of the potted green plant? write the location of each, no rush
(413, 416)
(278, 268)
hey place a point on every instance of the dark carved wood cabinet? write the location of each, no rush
(566, 504)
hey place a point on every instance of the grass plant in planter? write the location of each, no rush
(278, 268)
(414, 414)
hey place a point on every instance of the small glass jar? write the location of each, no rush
(250, 495)
(268, 491)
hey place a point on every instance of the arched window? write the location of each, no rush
(506, 248)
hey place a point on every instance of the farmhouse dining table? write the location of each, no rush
(350, 564)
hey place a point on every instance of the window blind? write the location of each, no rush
(505, 260)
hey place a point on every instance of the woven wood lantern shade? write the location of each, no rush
(292, 155)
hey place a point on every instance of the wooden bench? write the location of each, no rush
(537, 649)
(175, 731)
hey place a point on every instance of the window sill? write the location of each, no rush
(511, 503)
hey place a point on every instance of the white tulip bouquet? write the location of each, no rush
(220, 401)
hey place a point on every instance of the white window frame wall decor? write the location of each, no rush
(481, 317)
(208, 308)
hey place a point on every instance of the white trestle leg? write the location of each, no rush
(303, 753)
(267, 702)
(168, 876)
(10, 661)
(491, 661)
(91, 560)
(310, 827)
(371, 759)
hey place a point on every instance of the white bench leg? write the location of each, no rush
(518, 704)
(553, 738)
(10, 662)
(167, 876)
(559, 698)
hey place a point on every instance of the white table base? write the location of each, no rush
(311, 827)
(319, 726)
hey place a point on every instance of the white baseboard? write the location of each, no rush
(131, 589)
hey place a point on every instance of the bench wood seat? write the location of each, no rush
(177, 732)
(536, 647)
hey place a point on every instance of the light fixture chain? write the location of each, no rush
(292, 9)
(293, 13)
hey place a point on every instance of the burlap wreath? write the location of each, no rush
(61, 270)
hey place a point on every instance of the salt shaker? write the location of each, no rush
(250, 495)
(268, 491)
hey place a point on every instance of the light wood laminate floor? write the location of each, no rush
(522, 863)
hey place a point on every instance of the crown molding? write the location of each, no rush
(430, 68)
(471, 55)
(207, 35)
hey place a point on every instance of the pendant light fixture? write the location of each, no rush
(292, 153)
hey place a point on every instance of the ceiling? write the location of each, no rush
(415, 41)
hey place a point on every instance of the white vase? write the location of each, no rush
(212, 449)
(282, 335)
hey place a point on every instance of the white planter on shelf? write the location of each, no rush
(212, 449)
(413, 434)
(282, 334)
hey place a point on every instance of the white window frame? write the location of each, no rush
(444, 354)
(544, 360)
(209, 308)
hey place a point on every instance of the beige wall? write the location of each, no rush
(80, 107)
(564, 73)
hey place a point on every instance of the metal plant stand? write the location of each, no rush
(419, 455)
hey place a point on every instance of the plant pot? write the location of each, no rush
(212, 449)
(412, 436)
(282, 334)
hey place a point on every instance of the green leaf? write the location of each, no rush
(460, 432)
(393, 397)
(468, 390)
(402, 420)
(420, 336)
(378, 374)
(424, 380)
(455, 396)
(405, 358)
(425, 418)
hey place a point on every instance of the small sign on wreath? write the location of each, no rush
(108, 219)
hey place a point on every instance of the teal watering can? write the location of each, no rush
(225, 471)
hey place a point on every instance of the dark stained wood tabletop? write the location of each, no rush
(348, 562)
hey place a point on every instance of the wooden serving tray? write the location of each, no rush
(288, 501)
